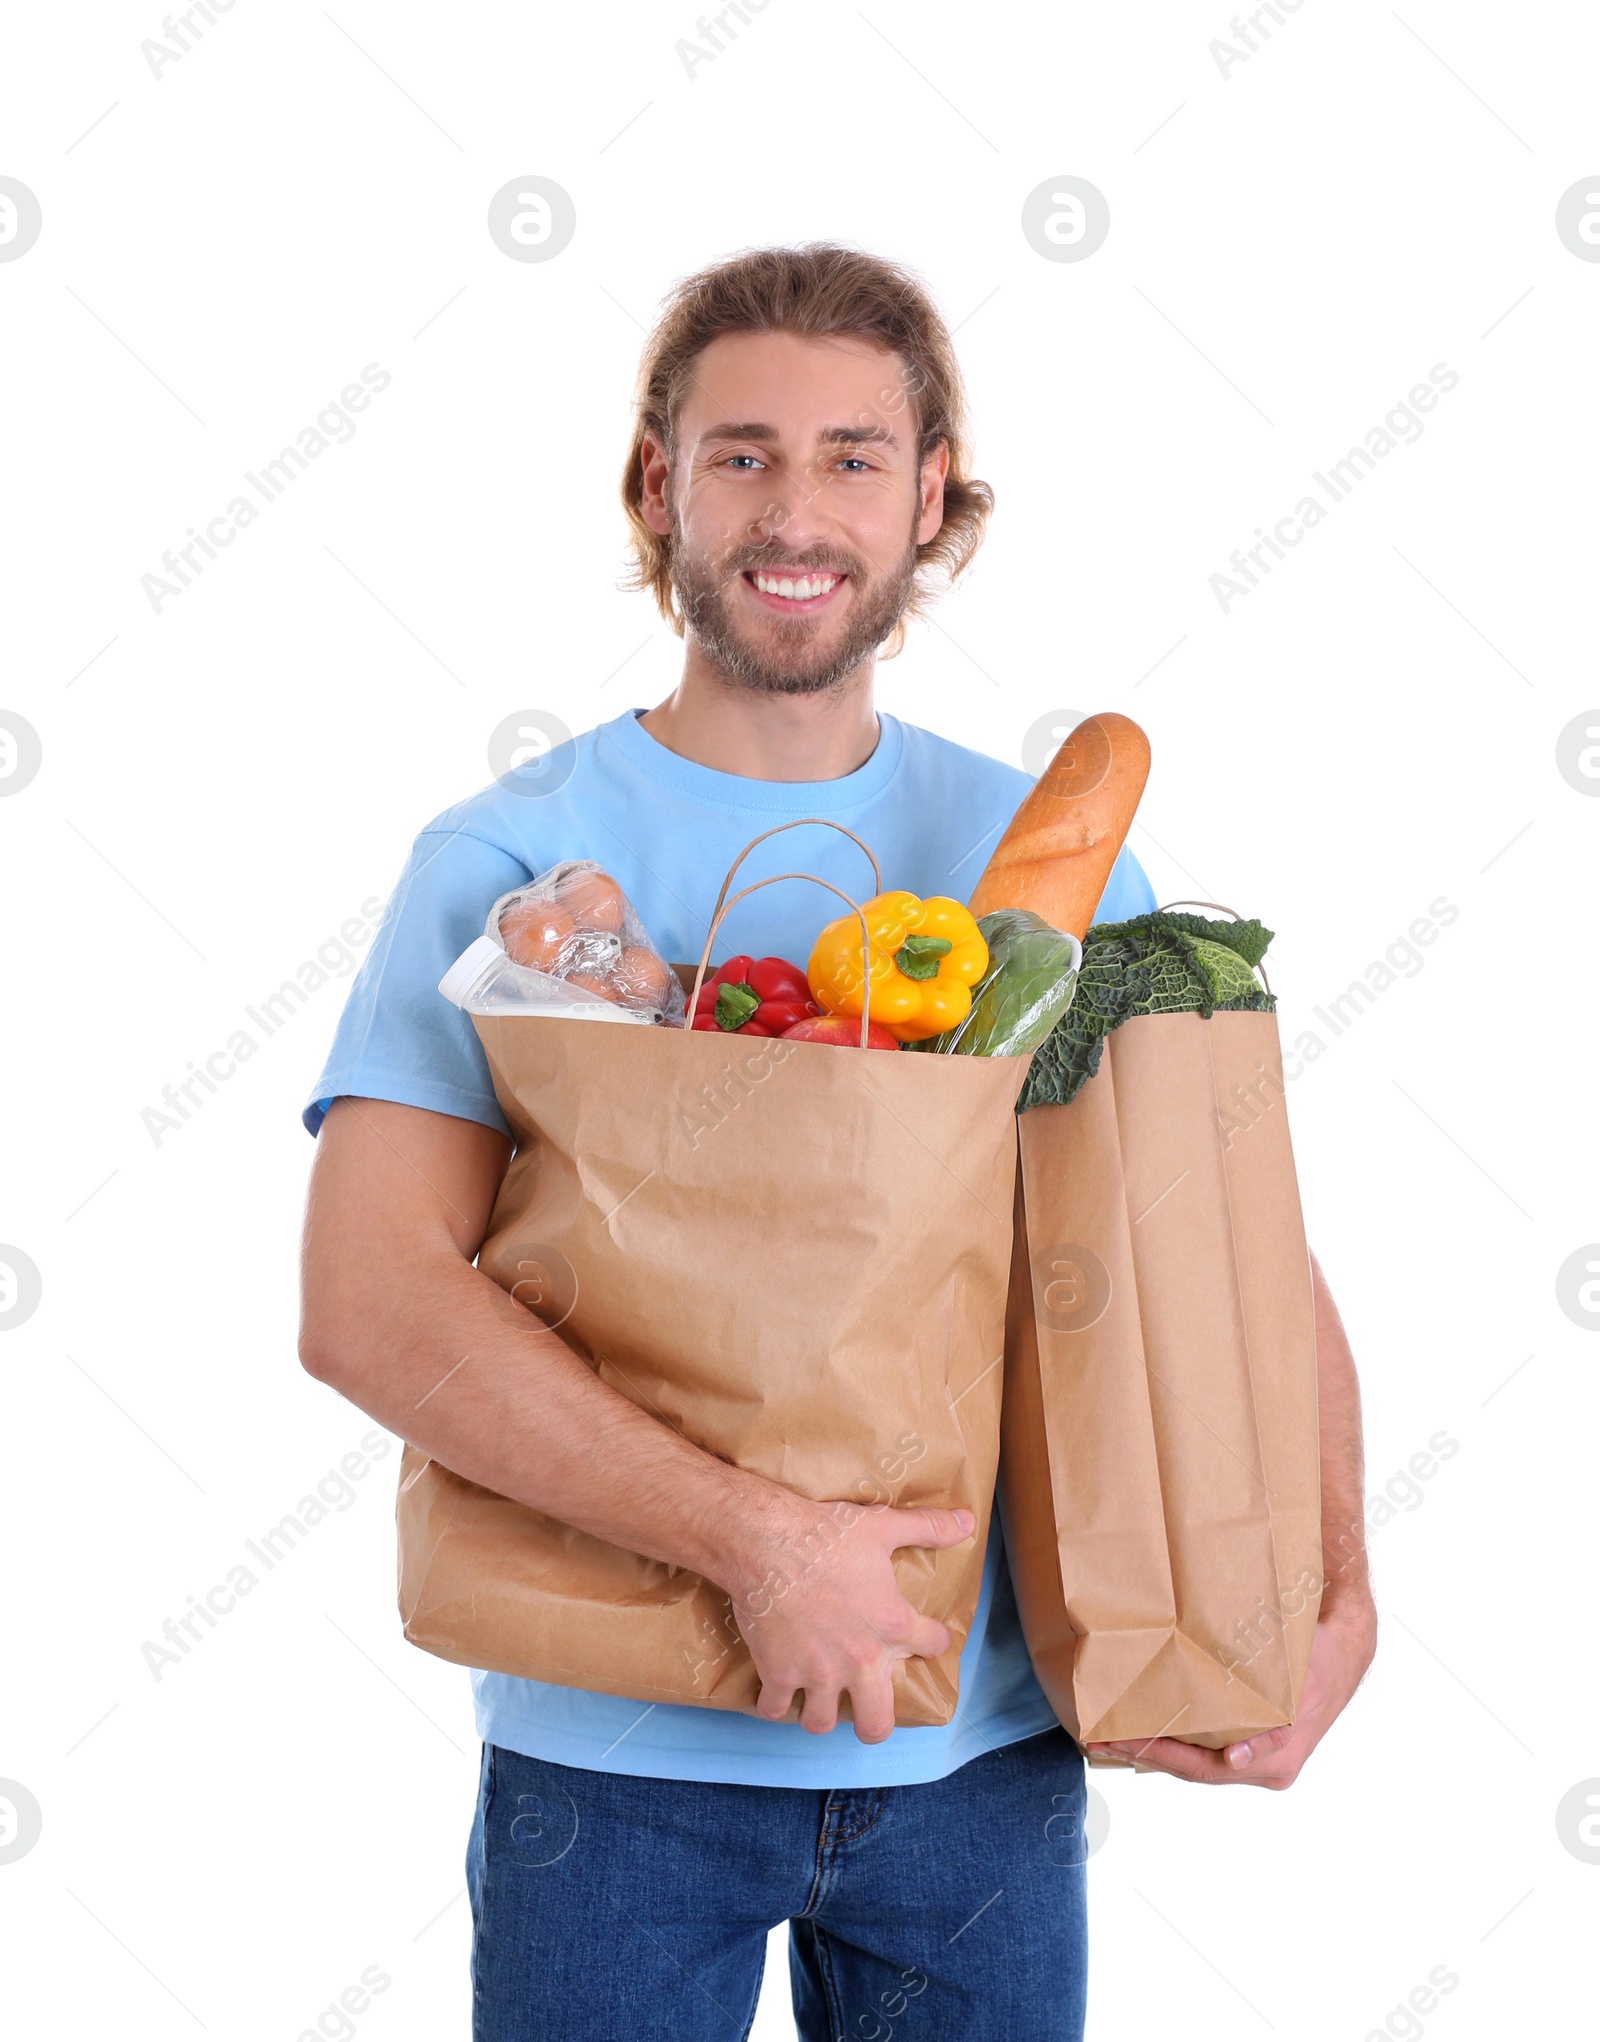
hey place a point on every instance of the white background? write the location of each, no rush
(225, 782)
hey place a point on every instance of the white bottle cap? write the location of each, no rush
(470, 965)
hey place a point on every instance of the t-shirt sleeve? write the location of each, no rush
(399, 1038)
(1127, 891)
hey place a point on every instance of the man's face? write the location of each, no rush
(795, 505)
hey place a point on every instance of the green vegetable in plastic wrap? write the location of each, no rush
(1024, 993)
(1152, 964)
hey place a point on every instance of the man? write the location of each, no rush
(799, 476)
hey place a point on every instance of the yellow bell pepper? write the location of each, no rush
(923, 959)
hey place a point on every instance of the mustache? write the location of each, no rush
(812, 560)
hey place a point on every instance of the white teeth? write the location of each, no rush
(800, 591)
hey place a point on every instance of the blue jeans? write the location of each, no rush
(608, 1908)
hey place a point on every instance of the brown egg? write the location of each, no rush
(594, 900)
(595, 988)
(641, 978)
(536, 934)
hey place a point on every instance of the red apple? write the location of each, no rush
(843, 1029)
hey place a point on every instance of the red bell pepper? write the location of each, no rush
(754, 996)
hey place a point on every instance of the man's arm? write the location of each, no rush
(1347, 1625)
(396, 1318)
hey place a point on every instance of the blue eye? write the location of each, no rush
(856, 460)
(734, 459)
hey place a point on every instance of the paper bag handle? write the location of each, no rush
(1261, 970)
(755, 886)
(800, 822)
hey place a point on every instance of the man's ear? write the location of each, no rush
(657, 468)
(935, 467)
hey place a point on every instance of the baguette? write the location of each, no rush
(1059, 847)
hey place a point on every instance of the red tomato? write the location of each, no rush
(845, 1030)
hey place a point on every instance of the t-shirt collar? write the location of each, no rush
(784, 798)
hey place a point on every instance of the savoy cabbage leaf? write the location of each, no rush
(1152, 964)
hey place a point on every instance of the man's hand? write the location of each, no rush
(825, 1615)
(1341, 1651)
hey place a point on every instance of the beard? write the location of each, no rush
(788, 655)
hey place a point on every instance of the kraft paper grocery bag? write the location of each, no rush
(1160, 1484)
(795, 1253)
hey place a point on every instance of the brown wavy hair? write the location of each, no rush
(817, 291)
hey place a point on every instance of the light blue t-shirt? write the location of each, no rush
(667, 829)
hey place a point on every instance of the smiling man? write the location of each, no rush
(798, 485)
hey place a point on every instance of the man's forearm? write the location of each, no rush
(468, 1375)
(1344, 1544)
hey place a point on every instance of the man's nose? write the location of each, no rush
(796, 514)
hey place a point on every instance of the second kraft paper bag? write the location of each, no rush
(1160, 1481)
(796, 1254)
